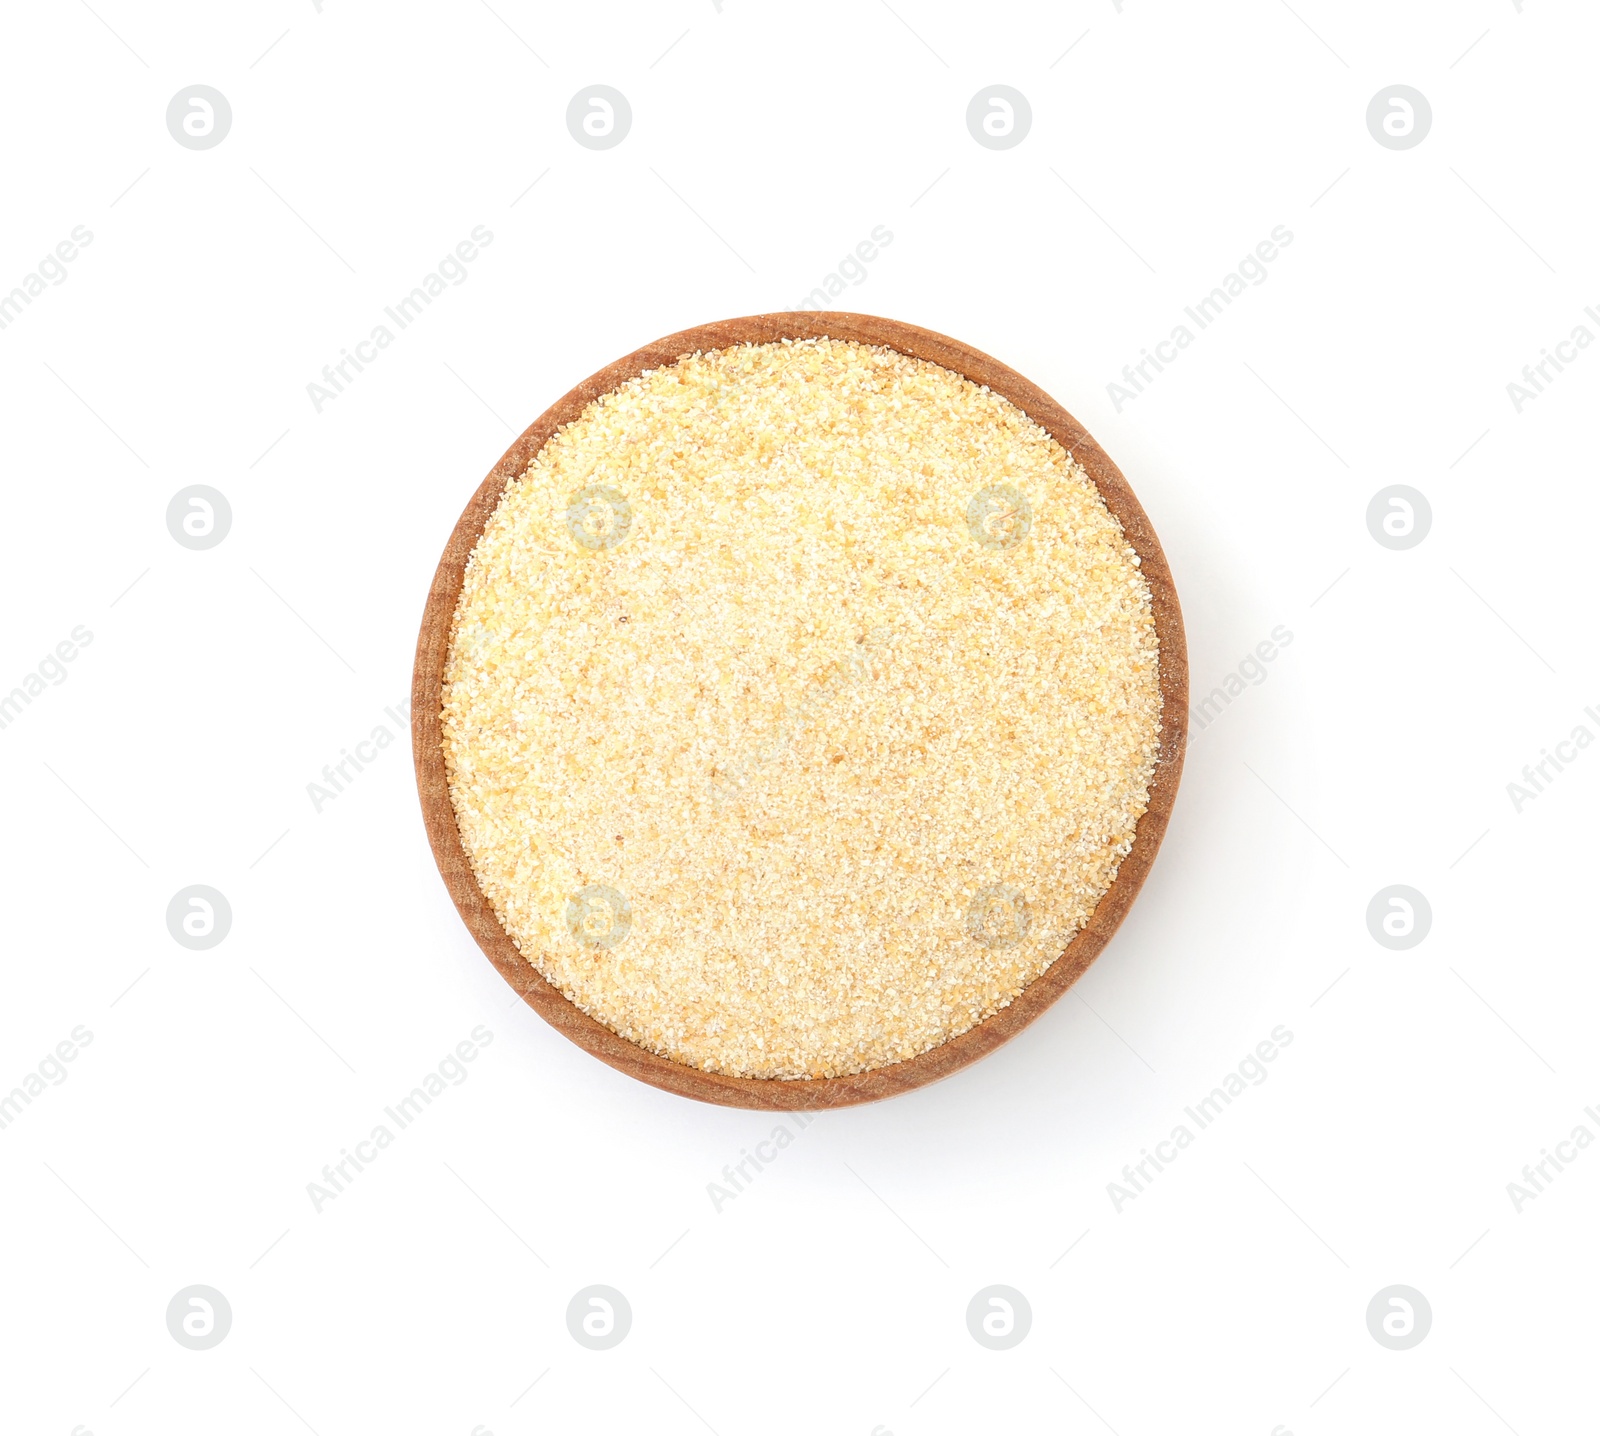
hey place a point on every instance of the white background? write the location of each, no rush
(830, 1296)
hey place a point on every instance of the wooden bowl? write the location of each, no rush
(775, 1094)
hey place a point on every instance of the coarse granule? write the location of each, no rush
(801, 702)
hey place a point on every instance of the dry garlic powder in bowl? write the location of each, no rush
(800, 704)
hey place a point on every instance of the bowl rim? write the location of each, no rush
(794, 1094)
